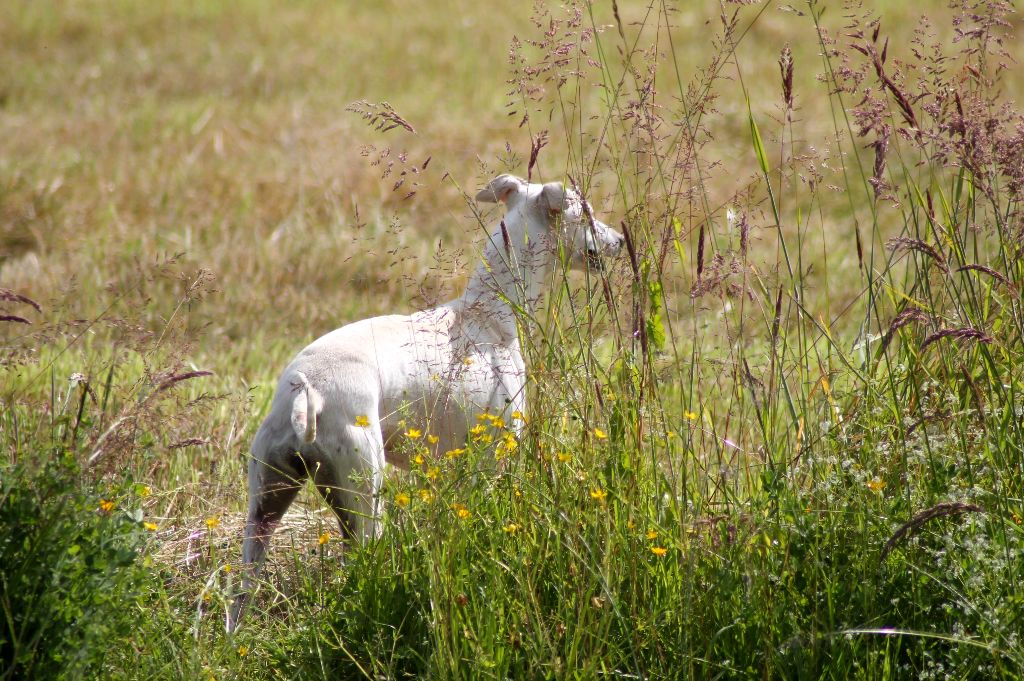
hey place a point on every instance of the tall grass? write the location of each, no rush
(779, 438)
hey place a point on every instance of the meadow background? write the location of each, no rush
(781, 438)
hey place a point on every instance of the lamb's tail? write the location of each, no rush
(306, 404)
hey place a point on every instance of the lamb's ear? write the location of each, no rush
(552, 197)
(501, 189)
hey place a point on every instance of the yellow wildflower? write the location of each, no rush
(652, 534)
(598, 494)
(227, 568)
(324, 538)
(145, 491)
(478, 429)
(432, 439)
(518, 416)
(564, 457)
(149, 526)
(242, 651)
(511, 528)
(433, 472)
(497, 422)
(485, 416)
(418, 459)
(402, 499)
(659, 550)
(690, 415)
(508, 444)
(426, 495)
(600, 434)
(106, 505)
(461, 511)
(362, 421)
(452, 453)
(467, 361)
(876, 484)
(413, 433)
(212, 522)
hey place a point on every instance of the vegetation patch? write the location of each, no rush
(782, 437)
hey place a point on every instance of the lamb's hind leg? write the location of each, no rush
(350, 483)
(271, 491)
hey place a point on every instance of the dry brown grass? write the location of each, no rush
(221, 132)
(132, 132)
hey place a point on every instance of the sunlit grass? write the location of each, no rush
(781, 438)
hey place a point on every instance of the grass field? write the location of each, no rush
(785, 440)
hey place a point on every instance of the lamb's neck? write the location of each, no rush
(503, 282)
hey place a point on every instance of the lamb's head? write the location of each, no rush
(558, 213)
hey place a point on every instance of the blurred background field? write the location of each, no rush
(132, 131)
(191, 187)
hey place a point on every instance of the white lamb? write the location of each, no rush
(335, 414)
